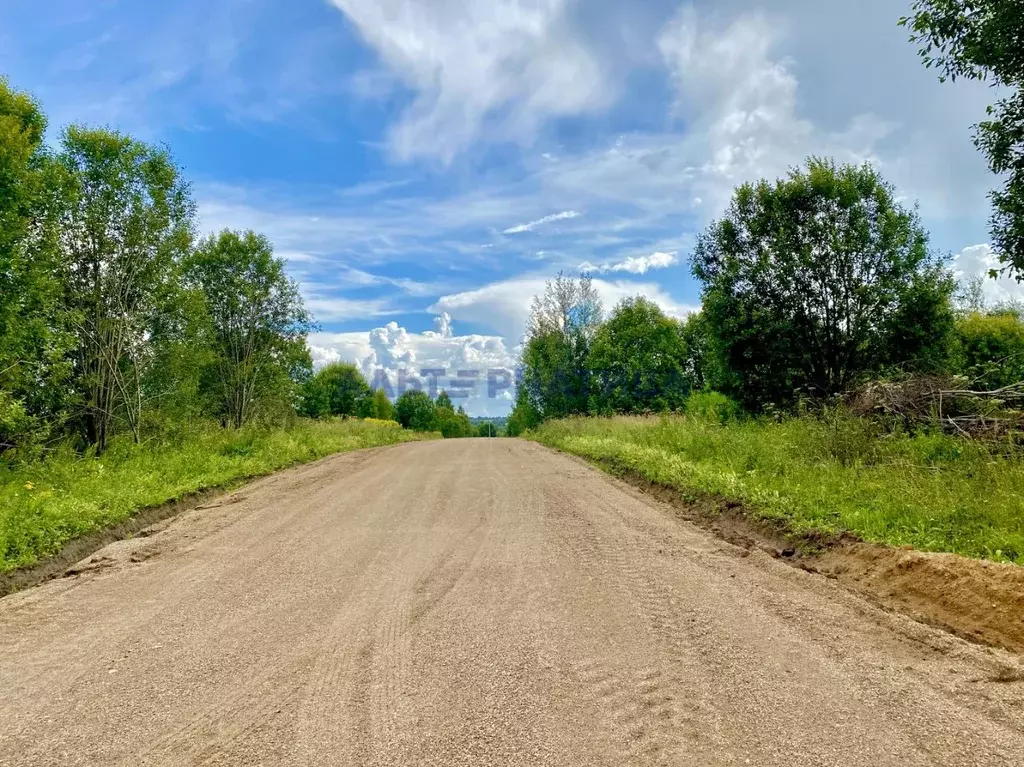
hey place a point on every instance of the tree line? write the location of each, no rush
(341, 390)
(115, 317)
(816, 283)
(810, 286)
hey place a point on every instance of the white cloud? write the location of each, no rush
(504, 306)
(738, 100)
(520, 228)
(978, 261)
(497, 69)
(613, 291)
(323, 355)
(364, 229)
(298, 257)
(634, 264)
(337, 309)
(383, 353)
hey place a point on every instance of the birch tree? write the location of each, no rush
(258, 324)
(127, 219)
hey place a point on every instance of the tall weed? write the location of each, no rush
(931, 491)
(46, 503)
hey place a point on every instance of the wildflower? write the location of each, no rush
(29, 486)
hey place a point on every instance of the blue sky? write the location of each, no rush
(425, 165)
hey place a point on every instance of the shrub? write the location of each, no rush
(712, 406)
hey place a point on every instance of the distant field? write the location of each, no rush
(46, 504)
(931, 492)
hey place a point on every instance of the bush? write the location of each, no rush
(17, 428)
(991, 349)
(415, 410)
(712, 406)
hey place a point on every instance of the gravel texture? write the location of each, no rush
(476, 602)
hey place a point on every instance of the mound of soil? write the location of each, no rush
(975, 599)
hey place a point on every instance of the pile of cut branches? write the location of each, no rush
(949, 402)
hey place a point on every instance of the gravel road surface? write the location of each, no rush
(476, 602)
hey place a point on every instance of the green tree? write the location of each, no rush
(705, 367)
(638, 360)
(34, 339)
(563, 322)
(338, 389)
(378, 406)
(815, 281)
(524, 414)
(991, 352)
(488, 429)
(259, 326)
(448, 421)
(415, 410)
(126, 222)
(984, 40)
(444, 401)
(182, 350)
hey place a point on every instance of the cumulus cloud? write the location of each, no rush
(520, 228)
(390, 355)
(737, 101)
(978, 261)
(500, 68)
(504, 306)
(634, 264)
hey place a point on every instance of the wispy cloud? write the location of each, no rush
(634, 264)
(520, 228)
(333, 309)
(476, 69)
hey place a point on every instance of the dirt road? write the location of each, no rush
(474, 602)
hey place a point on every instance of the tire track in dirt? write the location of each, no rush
(478, 602)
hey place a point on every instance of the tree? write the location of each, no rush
(448, 421)
(563, 322)
(984, 40)
(338, 389)
(815, 281)
(638, 361)
(34, 338)
(444, 402)
(126, 221)
(415, 410)
(991, 348)
(487, 429)
(524, 414)
(259, 325)
(378, 406)
(182, 351)
(705, 369)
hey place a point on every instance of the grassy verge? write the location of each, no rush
(931, 492)
(46, 504)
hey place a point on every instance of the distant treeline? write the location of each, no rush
(812, 286)
(340, 389)
(117, 319)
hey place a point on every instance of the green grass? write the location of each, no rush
(45, 504)
(932, 492)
